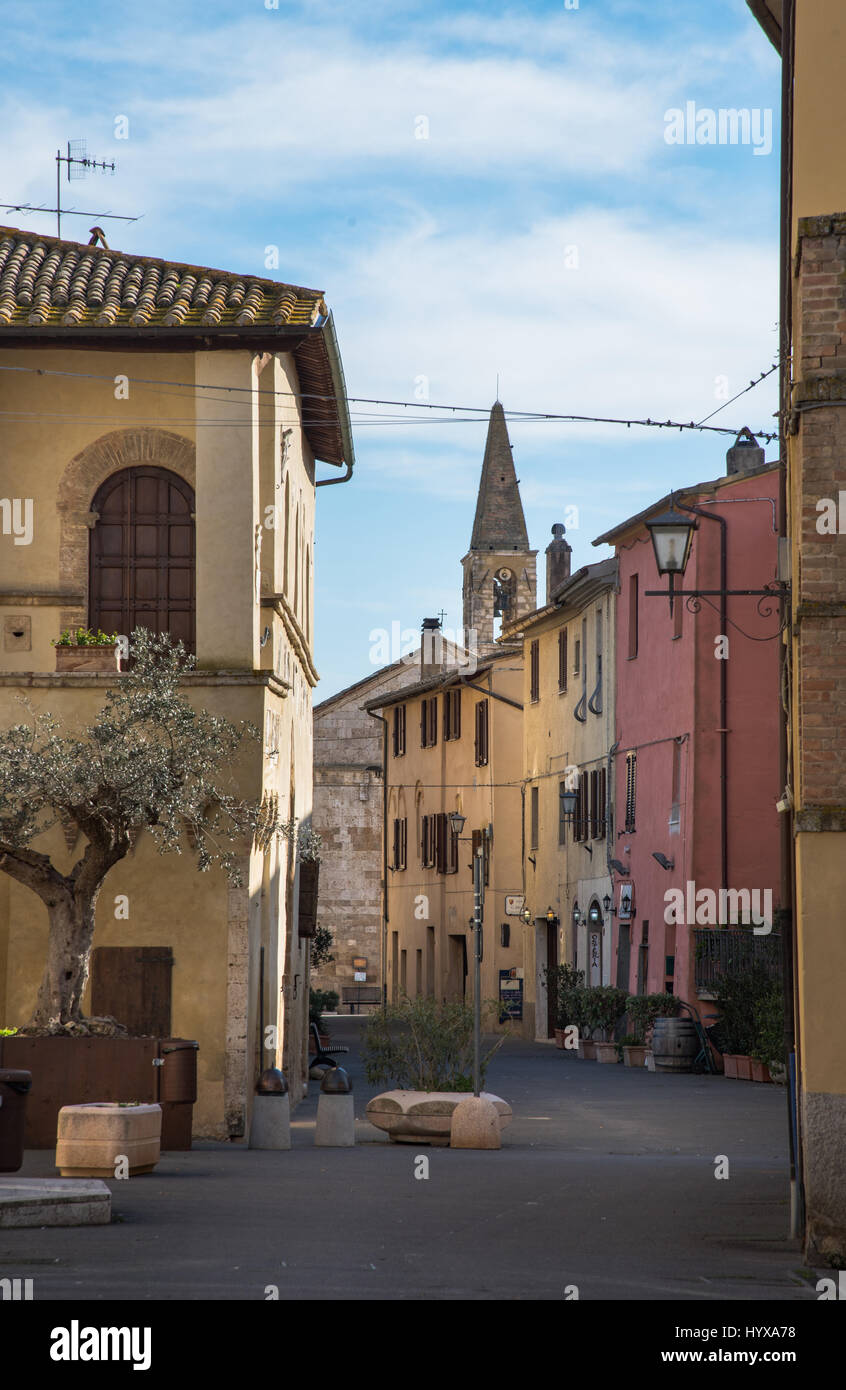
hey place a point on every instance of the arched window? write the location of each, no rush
(141, 555)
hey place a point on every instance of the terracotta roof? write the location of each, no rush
(51, 287)
(47, 281)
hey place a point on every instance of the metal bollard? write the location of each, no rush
(335, 1112)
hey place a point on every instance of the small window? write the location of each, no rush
(534, 663)
(429, 722)
(631, 791)
(481, 733)
(452, 714)
(399, 730)
(633, 616)
(401, 843)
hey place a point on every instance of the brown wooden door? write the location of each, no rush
(133, 985)
(141, 571)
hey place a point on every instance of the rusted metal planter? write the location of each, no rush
(84, 1071)
(97, 659)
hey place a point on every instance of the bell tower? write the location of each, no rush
(500, 571)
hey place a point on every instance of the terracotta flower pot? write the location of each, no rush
(760, 1071)
(606, 1052)
(634, 1055)
(744, 1068)
(730, 1065)
(97, 659)
(560, 1035)
(587, 1050)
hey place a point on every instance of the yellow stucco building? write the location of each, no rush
(156, 470)
(568, 733)
(810, 36)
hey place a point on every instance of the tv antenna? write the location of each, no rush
(77, 164)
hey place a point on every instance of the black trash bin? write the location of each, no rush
(14, 1089)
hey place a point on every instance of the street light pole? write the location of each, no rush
(478, 908)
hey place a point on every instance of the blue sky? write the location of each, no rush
(544, 230)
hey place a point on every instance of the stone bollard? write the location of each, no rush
(335, 1111)
(271, 1123)
(475, 1125)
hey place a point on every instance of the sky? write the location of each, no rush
(484, 192)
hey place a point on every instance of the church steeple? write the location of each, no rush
(500, 580)
(499, 523)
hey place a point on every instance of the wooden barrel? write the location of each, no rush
(674, 1044)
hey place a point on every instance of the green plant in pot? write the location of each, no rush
(769, 1049)
(320, 1000)
(606, 1005)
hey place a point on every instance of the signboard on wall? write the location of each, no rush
(595, 958)
(514, 904)
(511, 992)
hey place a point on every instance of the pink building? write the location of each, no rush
(697, 729)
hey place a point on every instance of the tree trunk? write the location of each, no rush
(66, 971)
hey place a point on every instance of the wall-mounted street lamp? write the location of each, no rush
(457, 823)
(526, 915)
(663, 860)
(594, 915)
(608, 903)
(569, 797)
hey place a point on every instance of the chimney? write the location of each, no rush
(558, 555)
(744, 454)
(431, 648)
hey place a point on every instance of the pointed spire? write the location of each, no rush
(499, 523)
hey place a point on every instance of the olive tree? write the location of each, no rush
(148, 761)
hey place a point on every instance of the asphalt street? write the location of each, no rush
(605, 1184)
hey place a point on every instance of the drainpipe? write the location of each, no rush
(723, 729)
(788, 888)
(384, 722)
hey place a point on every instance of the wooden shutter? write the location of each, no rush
(307, 916)
(562, 659)
(423, 724)
(631, 790)
(534, 660)
(456, 714)
(602, 812)
(133, 985)
(447, 713)
(141, 557)
(481, 733)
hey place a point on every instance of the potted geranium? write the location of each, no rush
(86, 650)
(425, 1046)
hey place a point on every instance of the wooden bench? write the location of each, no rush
(360, 994)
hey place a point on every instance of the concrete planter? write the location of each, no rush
(587, 1050)
(606, 1052)
(634, 1055)
(103, 659)
(92, 1139)
(420, 1117)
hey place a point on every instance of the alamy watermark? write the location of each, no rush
(432, 647)
(706, 907)
(702, 125)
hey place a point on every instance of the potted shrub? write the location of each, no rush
(740, 999)
(86, 650)
(425, 1046)
(567, 982)
(632, 1050)
(606, 1006)
(768, 1053)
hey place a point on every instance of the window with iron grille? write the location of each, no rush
(481, 841)
(401, 842)
(429, 722)
(562, 659)
(481, 733)
(631, 791)
(534, 666)
(452, 714)
(399, 730)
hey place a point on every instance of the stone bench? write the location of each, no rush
(421, 1117)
